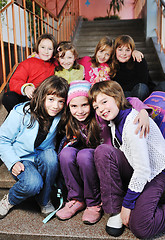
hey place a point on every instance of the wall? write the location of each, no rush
(98, 8)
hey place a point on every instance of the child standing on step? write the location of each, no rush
(77, 156)
(27, 147)
(98, 67)
(135, 176)
(31, 72)
(68, 67)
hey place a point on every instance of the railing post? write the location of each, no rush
(25, 22)
(14, 33)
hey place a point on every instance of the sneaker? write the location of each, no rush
(71, 208)
(5, 206)
(45, 210)
(115, 226)
(92, 215)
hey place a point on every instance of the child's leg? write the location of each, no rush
(70, 171)
(141, 91)
(114, 173)
(148, 217)
(29, 183)
(48, 167)
(87, 169)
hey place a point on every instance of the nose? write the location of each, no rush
(80, 110)
(55, 104)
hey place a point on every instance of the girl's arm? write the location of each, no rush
(137, 55)
(20, 77)
(8, 134)
(142, 118)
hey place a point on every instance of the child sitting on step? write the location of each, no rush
(98, 67)
(68, 67)
(31, 72)
(76, 158)
(132, 170)
(27, 145)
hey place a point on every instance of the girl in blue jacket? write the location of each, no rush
(27, 145)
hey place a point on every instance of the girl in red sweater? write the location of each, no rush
(31, 72)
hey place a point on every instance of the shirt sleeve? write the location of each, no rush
(130, 199)
(8, 134)
(138, 105)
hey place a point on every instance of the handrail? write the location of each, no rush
(160, 30)
(20, 27)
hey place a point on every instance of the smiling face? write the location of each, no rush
(67, 60)
(45, 49)
(105, 107)
(123, 53)
(54, 104)
(80, 108)
(103, 54)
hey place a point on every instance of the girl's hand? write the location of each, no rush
(143, 123)
(125, 215)
(18, 168)
(29, 91)
(137, 55)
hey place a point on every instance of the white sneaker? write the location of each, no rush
(5, 206)
(47, 209)
(115, 226)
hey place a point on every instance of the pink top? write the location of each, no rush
(94, 74)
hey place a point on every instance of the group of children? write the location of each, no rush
(88, 131)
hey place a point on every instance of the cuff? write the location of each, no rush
(24, 86)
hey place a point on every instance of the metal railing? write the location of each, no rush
(20, 26)
(139, 8)
(139, 12)
(160, 31)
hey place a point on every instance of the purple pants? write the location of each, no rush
(80, 175)
(148, 217)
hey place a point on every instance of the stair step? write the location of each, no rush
(6, 179)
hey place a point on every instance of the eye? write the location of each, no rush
(62, 101)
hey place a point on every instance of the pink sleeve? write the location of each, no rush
(138, 105)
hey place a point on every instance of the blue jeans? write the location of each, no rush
(140, 91)
(37, 179)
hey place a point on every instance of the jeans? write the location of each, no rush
(140, 91)
(37, 179)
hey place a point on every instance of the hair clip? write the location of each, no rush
(59, 49)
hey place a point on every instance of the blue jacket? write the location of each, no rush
(17, 141)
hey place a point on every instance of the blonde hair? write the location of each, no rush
(111, 89)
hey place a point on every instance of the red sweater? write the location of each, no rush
(32, 70)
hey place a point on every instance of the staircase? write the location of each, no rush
(24, 222)
(91, 32)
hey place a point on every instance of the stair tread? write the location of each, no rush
(6, 179)
(25, 222)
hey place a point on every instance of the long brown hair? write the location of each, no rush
(112, 89)
(122, 40)
(71, 127)
(53, 85)
(102, 44)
